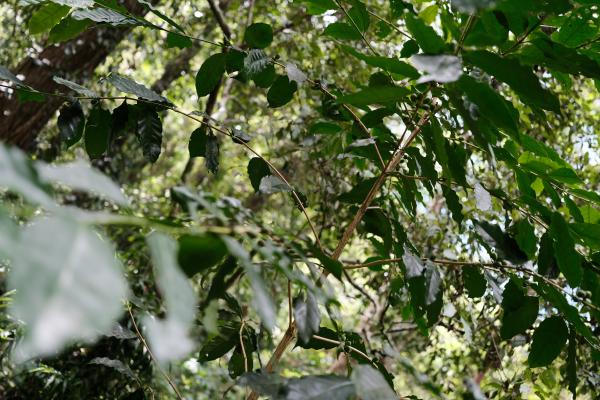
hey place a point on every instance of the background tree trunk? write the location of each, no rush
(75, 60)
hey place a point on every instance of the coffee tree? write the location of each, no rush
(397, 200)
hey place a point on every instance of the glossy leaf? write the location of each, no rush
(548, 341)
(71, 122)
(210, 73)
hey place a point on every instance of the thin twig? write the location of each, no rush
(143, 341)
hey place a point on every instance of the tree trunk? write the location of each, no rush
(74, 60)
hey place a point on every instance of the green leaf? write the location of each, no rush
(505, 246)
(491, 105)
(370, 384)
(132, 87)
(257, 170)
(19, 175)
(234, 60)
(71, 288)
(525, 237)
(197, 144)
(342, 31)
(198, 253)
(589, 233)
(359, 16)
(317, 344)
(258, 35)
(179, 41)
(262, 301)
(548, 341)
(67, 29)
(149, 132)
(389, 64)
(101, 14)
(579, 28)
(307, 316)
(520, 78)
(80, 176)
(334, 267)
(567, 258)
(520, 311)
(97, 132)
(117, 365)
(210, 73)
(46, 17)
(75, 86)
(211, 157)
(27, 95)
(169, 338)
(454, 204)
(572, 362)
(474, 281)
(324, 128)
(425, 35)
(281, 92)
(321, 387)
(375, 95)
(220, 344)
(71, 122)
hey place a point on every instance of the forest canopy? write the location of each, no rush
(299, 199)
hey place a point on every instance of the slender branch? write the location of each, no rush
(362, 35)
(216, 10)
(143, 341)
(333, 341)
(524, 36)
(393, 26)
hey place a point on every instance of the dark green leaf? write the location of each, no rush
(197, 144)
(258, 35)
(149, 133)
(571, 372)
(179, 41)
(548, 341)
(198, 253)
(257, 169)
(210, 73)
(520, 311)
(211, 159)
(71, 122)
(127, 85)
(525, 237)
(370, 384)
(474, 281)
(307, 317)
(567, 258)
(97, 132)
(281, 92)
(375, 95)
(426, 37)
(505, 246)
(342, 31)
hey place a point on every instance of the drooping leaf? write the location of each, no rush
(179, 41)
(520, 78)
(474, 281)
(97, 132)
(258, 35)
(549, 338)
(319, 387)
(571, 372)
(169, 337)
(307, 316)
(262, 301)
(19, 175)
(210, 73)
(370, 384)
(281, 92)
(257, 170)
(211, 156)
(425, 36)
(520, 311)
(70, 288)
(71, 122)
(79, 175)
(149, 133)
(389, 64)
(504, 245)
(567, 257)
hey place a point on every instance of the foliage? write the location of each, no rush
(405, 190)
